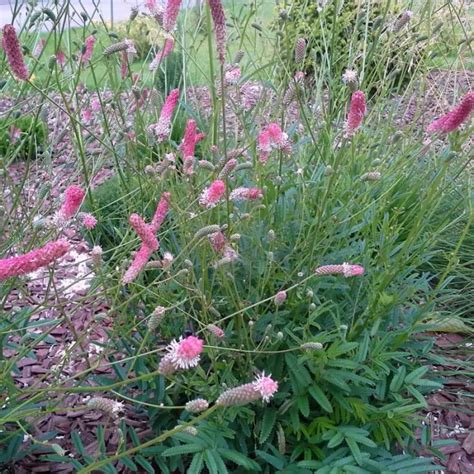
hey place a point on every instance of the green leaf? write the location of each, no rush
(416, 374)
(239, 459)
(144, 463)
(210, 462)
(126, 461)
(336, 440)
(397, 381)
(197, 464)
(354, 447)
(273, 460)
(268, 422)
(183, 449)
(320, 398)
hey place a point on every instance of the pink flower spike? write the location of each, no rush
(453, 119)
(232, 75)
(12, 48)
(218, 17)
(86, 115)
(31, 261)
(266, 386)
(345, 269)
(185, 353)
(171, 14)
(246, 194)
(89, 221)
(217, 241)
(357, 110)
(213, 194)
(60, 57)
(74, 196)
(144, 232)
(167, 48)
(163, 128)
(264, 146)
(14, 134)
(88, 49)
(190, 139)
(140, 260)
(237, 396)
(349, 270)
(161, 211)
(216, 330)
(39, 48)
(280, 298)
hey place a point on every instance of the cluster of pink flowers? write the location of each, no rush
(171, 14)
(213, 194)
(346, 269)
(272, 137)
(188, 145)
(73, 198)
(162, 129)
(217, 241)
(182, 354)
(232, 75)
(263, 388)
(246, 194)
(88, 49)
(453, 119)
(161, 55)
(31, 261)
(146, 232)
(88, 220)
(357, 111)
(12, 48)
(218, 17)
(250, 94)
(280, 298)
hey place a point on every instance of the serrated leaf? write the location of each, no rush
(355, 450)
(319, 396)
(239, 459)
(183, 449)
(268, 423)
(197, 464)
(416, 374)
(273, 460)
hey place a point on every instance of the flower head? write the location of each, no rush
(12, 48)
(185, 353)
(280, 297)
(88, 220)
(171, 14)
(246, 194)
(162, 129)
(300, 50)
(218, 17)
(74, 196)
(106, 405)
(346, 269)
(357, 110)
(266, 386)
(197, 405)
(453, 119)
(160, 55)
(88, 49)
(213, 194)
(216, 330)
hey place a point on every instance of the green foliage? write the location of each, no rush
(170, 74)
(23, 137)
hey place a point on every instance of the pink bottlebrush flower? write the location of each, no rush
(213, 194)
(232, 75)
(186, 353)
(264, 146)
(171, 14)
(277, 137)
(88, 49)
(96, 255)
(246, 194)
(163, 128)
(300, 50)
(60, 57)
(196, 406)
(31, 261)
(167, 260)
(229, 255)
(217, 241)
(161, 211)
(357, 110)
(86, 115)
(95, 105)
(346, 269)
(14, 134)
(140, 260)
(151, 5)
(218, 17)
(280, 298)
(88, 221)
(228, 168)
(272, 137)
(266, 386)
(250, 95)
(167, 366)
(161, 55)
(190, 139)
(12, 48)
(240, 395)
(453, 119)
(216, 330)
(74, 196)
(144, 231)
(39, 48)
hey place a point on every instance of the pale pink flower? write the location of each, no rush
(140, 260)
(88, 49)
(144, 231)
(95, 105)
(39, 48)
(232, 75)
(60, 57)
(264, 146)
(14, 134)
(12, 48)
(186, 353)
(250, 94)
(357, 110)
(160, 55)
(216, 330)
(167, 366)
(266, 386)
(197, 405)
(88, 220)
(96, 255)
(167, 260)
(162, 129)
(346, 269)
(31, 261)
(86, 115)
(246, 194)
(218, 17)
(190, 139)
(213, 194)
(453, 119)
(280, 298)
(217, 241)
(272, 137)
(161, 211)
(229, 255)
(73, 198)
(171, 14)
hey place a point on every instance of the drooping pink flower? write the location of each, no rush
(144, 231)
(88, 49)
(218, 17)
(88, 220)
(264, 146)
(266, 386)
(213, 194)
(246, 194)
(454, 118)
(217, 241)
(186, 353)
(171, 14)
(216, 330)
(139, 261)
(73, 198)
(39, 48)
(31, 261)
(277, 137)
(188, 145)
(161, 211)
(346, 269)
(357, 110)
(162, 129)
(161, 55)
(12, 48)
(272, 137)
(280, 297)
(60, 57)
